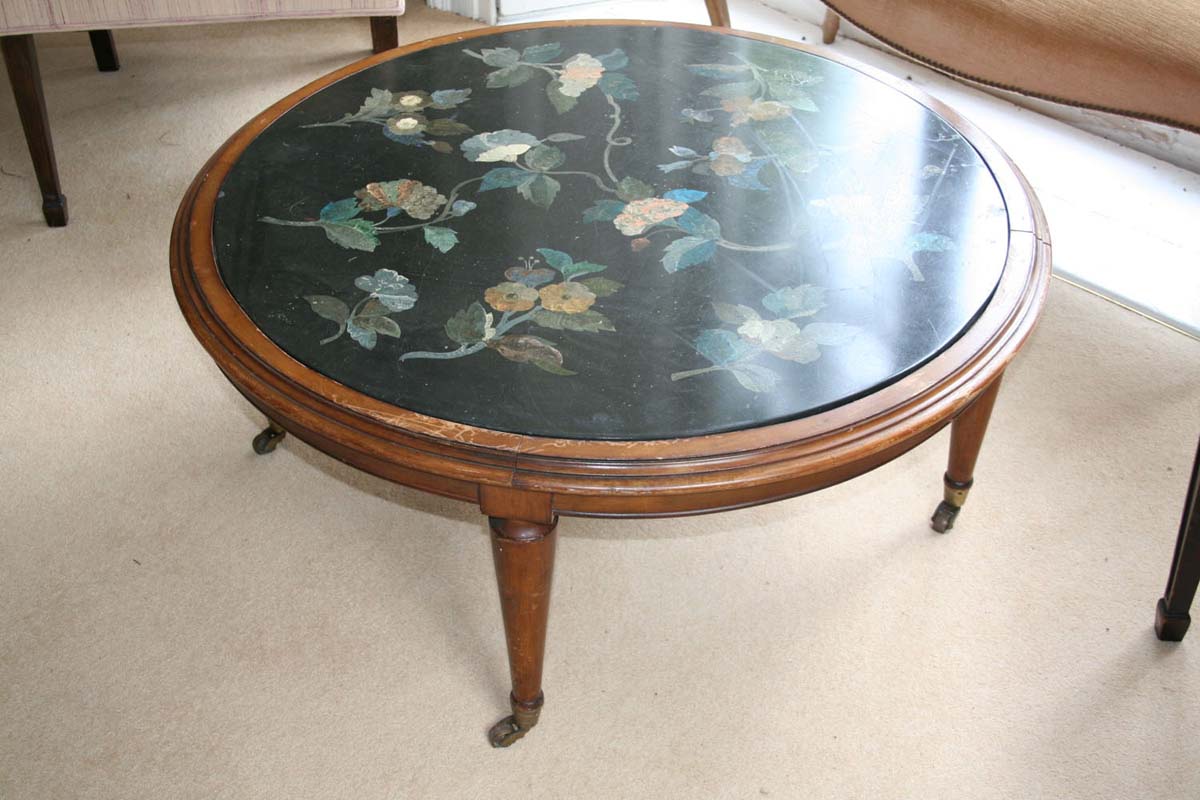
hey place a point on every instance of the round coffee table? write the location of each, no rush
(611, 269)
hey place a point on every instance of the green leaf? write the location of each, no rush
(443, 239)
(590, 321)
(687, 252)
(541, 53)
(619, 86)
(500, 57)
(795, 301)
(754, 377)
(630, 189)
(329, 307)
(504, 178)
(798, 348)
(378, 104)
(603, 211)
(556, 258)
(614, 60)
(582, 268)
(544, 157)
(468, 326)
(540, 191)
(564, 137)
(354, 234)
(510, 76)
(385, 325)
(686, 195)
(723, 347)
(340, 210)
(795, 153)
(446, 127)
(830, 333)
(732, 314)
(562, 102)
(602, 287)
(728, 91)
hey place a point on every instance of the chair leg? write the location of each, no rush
(1172, 619)
(384, 35)
(718, 13)
(829, 27)
(105, 50)
(20, 57)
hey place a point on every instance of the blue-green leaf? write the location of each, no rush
(603, 211)
(723, 347)
(795, 301)
(501, 57)
(364, 336)
(686, 195)
(504, 178)
(562, 102)
(541, 53)
(614, 60)
(719, 70)
(698, 224)
(754, 377)
(340, 210)
(449, 98)
(353, 234)
(674, 165)
(582, 268)
(687, 252)
(443, 239)
(510, 76)
(556, 258)
(619, 86)
(540, 191)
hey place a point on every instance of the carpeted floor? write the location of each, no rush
(182, 619)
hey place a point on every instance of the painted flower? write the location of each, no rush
(769, 334)
(729, 156)
(743, 109)
(407, 125)
(642, 214)
(580, 72)
(413, 197)
(568, 297)
(505, 145)
(511, 296)
(411, 101)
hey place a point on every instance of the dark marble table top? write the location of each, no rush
(611, 232)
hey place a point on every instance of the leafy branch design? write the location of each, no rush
(404, 118)
(387, 292)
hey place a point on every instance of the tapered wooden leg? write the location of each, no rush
(384, 35)
(524, 554)
(105, 51)
(1172, 619)
(966, 437)
(829, 26)
(20, 57)
(718, 13)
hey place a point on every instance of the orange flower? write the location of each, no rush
(568, 297)
(642, 214)
(580, 73)
(510, 296)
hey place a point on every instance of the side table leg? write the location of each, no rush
(966, 437)
(270, 437)
(524, 555)
(1171, 619)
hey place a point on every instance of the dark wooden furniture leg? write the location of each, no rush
(524, 554)
(105, 51)
(966, 437)
(20, 57)
(718, 12)
(384, 35)
(829, 26)
(1172, 619)
(270, 437)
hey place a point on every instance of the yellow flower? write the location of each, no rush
(580, 73)
(568, 297)
(510, 296)
(742, 109)
(642, 214)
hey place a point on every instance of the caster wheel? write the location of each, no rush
(943, 517)
(505, 732)
(267, 441)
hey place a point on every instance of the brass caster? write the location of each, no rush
(266, 441)
(505, 732)
(943, 517)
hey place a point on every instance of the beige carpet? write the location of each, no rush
(182, 619)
